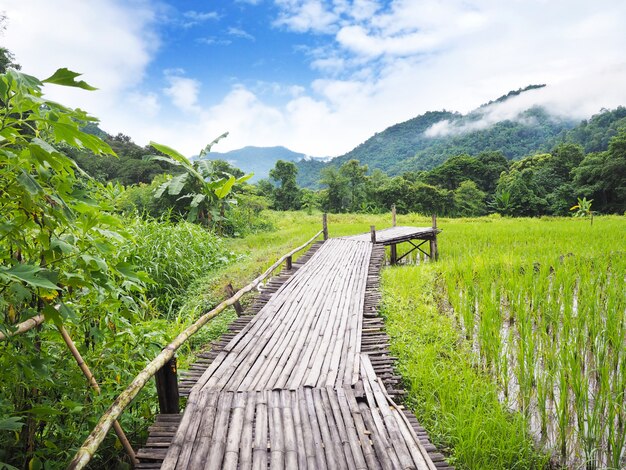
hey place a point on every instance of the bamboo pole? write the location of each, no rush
(23, 327)
(93, 441)
(94, 384)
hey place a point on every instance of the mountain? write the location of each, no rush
(428, 140)
(257, 160)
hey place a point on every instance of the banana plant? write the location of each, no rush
(583, 208)
(206, 195)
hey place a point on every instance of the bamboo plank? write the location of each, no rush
(277, 436)
(231, 455)
(290, 437)
(245, 456)
(347, 395)
(320, 457)
(299, 430)
(218, 439)
(259, 452)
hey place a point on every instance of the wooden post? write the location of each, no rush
(288, 262)
(434, 252)
(167, 388)
(373, 233)
(393, 215)
(230, 292)
(393, 253)
(325, 225)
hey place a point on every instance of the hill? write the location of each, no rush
(257, 160)
(428, 140)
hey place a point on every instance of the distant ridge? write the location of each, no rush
(257, 160)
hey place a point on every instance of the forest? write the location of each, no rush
(119, 247)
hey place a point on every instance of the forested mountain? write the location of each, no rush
(257, 160)
(428, 140)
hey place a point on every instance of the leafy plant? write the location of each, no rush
(195, 184)
(583, 208)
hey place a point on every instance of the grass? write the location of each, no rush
(454, 401)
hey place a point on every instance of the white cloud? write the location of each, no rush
(183, 91)
(375, 64)
(306, 15)
(194, 18)
(240, 33)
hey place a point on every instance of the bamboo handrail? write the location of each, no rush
(23, 327)
(93, 441)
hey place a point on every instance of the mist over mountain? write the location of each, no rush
(424, 142)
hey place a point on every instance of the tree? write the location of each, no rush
(469, 201)
(58, 240)
(286, 196)
(354, 175)
(335, 198)
(603, 176)
(583, 208)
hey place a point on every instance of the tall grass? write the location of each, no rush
(543, 302)
(456, 402)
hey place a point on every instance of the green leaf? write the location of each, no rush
(66, 77)
(161, 158)
(177, 184)
(28, 274)
(244, 178)
(223, 190)
(170, 152)
(29, 183)
(52, 314)
(35, 464)
(197, 199)
(207, 149)
(11, 424)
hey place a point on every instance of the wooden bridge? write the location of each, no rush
(303, 379)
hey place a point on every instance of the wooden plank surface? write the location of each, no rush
(290, 387)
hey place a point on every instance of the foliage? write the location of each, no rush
(128, 167)
(469, 201)
(204, 195)
(286, 195)
(60, 245)
(173, 255)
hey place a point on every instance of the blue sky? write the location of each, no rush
(317, 76)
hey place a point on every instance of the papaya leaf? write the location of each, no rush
(29, 183)
(66, 77)
(28, 273)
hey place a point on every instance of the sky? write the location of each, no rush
(316, 76)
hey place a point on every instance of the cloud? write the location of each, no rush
(211, 40)
(194, 18)
(306, 15)
(240, 33)
(183, 91)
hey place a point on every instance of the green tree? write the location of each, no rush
(469, 201)
(335, 198)
(354, 175)
(603, 176)
(286, 196)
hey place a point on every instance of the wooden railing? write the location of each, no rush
(93, 441)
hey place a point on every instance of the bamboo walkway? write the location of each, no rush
(304, 381)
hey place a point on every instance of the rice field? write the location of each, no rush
(542, 303)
